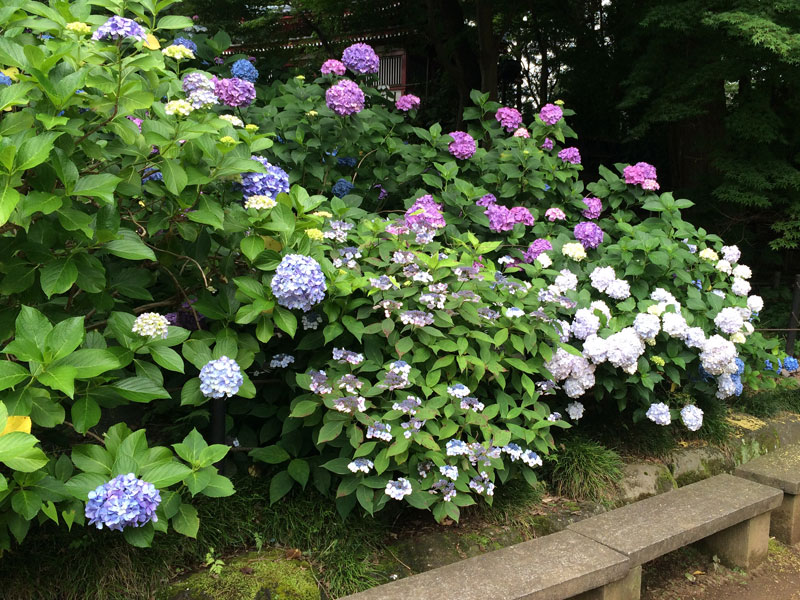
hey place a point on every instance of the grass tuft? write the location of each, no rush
(585, 470)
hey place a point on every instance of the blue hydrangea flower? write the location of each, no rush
(347, 161)
(220, 378)
(186, 43)
(117, 28)
(658, 413)
(152, 174)
(341, 188)
(5, 79)
(244, 69)
(125, 501)
(269, 184)
(298, 282)
(790, 364)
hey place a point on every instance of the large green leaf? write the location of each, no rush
(139, 389)
(58, 276)
(97, 186)
(130, 246)
(11, 374)
(186, 521)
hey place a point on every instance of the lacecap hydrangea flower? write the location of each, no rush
(117, 28)
(550, 114)
(463, 145)
(269, 184)
(220, 378)
(235, 91)
(345, 98)
(407, 102)
(509, 118)
(151, 324)
(332, 66)
(399, 488)
(244, 69)
(298, 282)
(361, 58)
(125, 501)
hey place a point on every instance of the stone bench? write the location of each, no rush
(554, 567)
(730, 514)
(780, 469)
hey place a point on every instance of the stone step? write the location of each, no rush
(780, 469)
(730, 513)
(554, 567)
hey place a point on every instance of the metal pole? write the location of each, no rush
(793, 318)
(218, 420)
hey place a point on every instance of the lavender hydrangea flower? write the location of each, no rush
(536, 248)
(352, 404)
(575, 411)
(319, 382)
(345, 98)
(619, 289)
(547, 144)
(550, 114)
(363, 465)
(399, 488)
(117, 28)
(332, 66)
(380, 431)
(425, 212)
(298, 282)
(347, 356)
(220, 378)
(361, 58)
(270, 184)
(463, 145)
(417, 318)
(594, 206)
(244, 69)
(585, 323)
(509, 118)
(408, 406)
(235, 91)
(281, 361)
(570, 155)
(397, 376)
(125, 501)
(407, 102)
(588, 234)
(692, 417)
(338, 231)
(658, 413)
(199, 90)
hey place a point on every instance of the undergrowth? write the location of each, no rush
(585, 470)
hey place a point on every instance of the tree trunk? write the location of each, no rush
(489, 48)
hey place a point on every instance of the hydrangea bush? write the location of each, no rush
(385, 311)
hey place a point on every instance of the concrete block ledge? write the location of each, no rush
(554, 567)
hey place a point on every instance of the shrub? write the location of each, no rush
(414, 332)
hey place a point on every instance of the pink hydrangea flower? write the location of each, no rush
(509, 118)
(551, 114)
(555, 214)
(407, 102)
(333, 66)
(522, 133)
(463, 145)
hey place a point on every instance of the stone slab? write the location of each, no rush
(553, 567)
(744, 545)
(653, 527)
(780, 469)
(784, 523)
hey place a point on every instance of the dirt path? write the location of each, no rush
(689, 575)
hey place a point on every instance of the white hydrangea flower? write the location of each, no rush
(692, 417)
(566, 281)
(738, 338)
(260, 202)
(674, 325)
(544, 260)
(731, 253)
(574, 250)
(726, 386)
(595, 349)
(180, 107)
(619, 289)
(585, 323)
(657, 309)
(647, 326)
(624, 349)
(233, 120)
(719, 356)
(602, 277)
(748, 328)
(742, 271)
(723, 266)
(599, 305)
(151, 325)
(658, 413)
(755, 303)
(740, 287)
(575, 410)
(709, 255)
(695, 337)
(729, 320)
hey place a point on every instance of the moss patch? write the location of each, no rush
(252, 576)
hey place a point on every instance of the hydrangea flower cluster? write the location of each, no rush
(220, 378)
(179, 107)
(199, 90)
(554, 214)
(341, 188)
(570, 155)
(298, 282)
(345, 98)
(522, 133)
(178, 52)
(332, 66)
(407, 102)
(186, 43)
(281, 361)
(397, 376)
(364, 465)
(588, 234)
(536, 248)
(550, 114)
(399, 488)
(125, 501)
(576, 372)
(260, 202)
(118, 28)
(151, 324)
(642, 174)
(235, 91)
(347, 356)
(463, 145)
(244, 69)
(692, 417)
(361, 59)
(658, 413)
(594, 206)
(269, 184)
(502, 218)
(509, 118)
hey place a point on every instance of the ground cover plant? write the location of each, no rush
(382, 311)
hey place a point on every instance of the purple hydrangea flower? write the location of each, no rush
(125, 501)
(186, 43)
(547, 144)
(332, 66)
(570, 155)
(594, 206)
(235, 91)
(220, 378)
(425, 212)
(588, 234)
(536, 248)
(509, 118)
(361, 58)
(463, 145)
(520, 214)
(345, 98)
(643, 174)
(487, 200)
(244, 69)
(504, 219)
(117, 28)
(298, 282)
(199, 90)
(551, 114)
(136, 120)
(407, 102)
(269, 184)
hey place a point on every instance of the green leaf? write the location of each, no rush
(299, 470)
(45, 412)
(174, 22)
(57, 277)
(35, 150)
(26, 503)
(9, 197)
(285, 320)
(208, 212)
(130, 247)
(11, 374)
(139, 389)
(167, 358)
(252, 246)
(91, 362)
(59, 378)
(165, 474)
(97, 186)
(64, 338)
(218, 487)
(304, 408)
(191, 447)
(175, 177)
(140, 537)
(85, 414)
(81, 484)
(280, 485)
(196, 352)
(330, 431)
(92, 458)
(212, 454)
(270, 454)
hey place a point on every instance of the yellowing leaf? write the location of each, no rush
(151, 43)
(271, 243)
(17, 424)
(11, 72)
